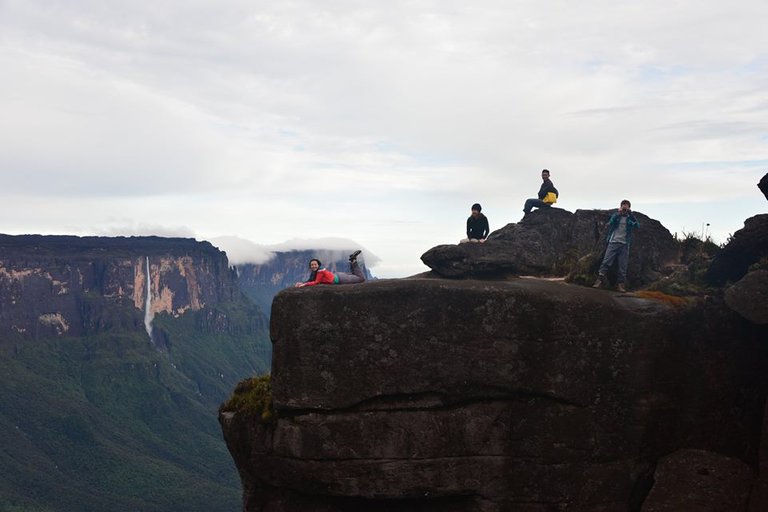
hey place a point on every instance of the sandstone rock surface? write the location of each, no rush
(701, 481)
(556, 242)
(520, 394)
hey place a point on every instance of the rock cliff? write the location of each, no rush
(556, 242)
(489, 395)
(66, 284)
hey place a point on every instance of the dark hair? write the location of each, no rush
(319, 263)
(477, 207)
(545, 171)
(625, 201)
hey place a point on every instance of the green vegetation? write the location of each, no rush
(252, 397)
(110, 422)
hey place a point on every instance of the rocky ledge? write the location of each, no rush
(556, 242)
(511, 394)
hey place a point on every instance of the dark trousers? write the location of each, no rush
(356, 276)
(615, 251)
(534, 203)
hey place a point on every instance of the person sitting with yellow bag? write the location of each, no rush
(547, 195)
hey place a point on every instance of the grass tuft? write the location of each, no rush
(252, 397)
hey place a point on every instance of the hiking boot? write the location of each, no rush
(354, 255)
(620, 288)
(599, 283)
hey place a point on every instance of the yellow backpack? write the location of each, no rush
(550, 198)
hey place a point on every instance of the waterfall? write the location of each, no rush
(148, 315)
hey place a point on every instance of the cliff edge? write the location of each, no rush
(512, 394)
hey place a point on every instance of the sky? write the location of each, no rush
(380, 122)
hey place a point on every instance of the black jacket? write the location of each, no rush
(547, 186)
(477, 227)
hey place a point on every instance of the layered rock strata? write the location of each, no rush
(522, 394)
(67, 285)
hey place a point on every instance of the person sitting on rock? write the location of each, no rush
(320, 275)
(477, 226)
(547, 195)
(621, 224)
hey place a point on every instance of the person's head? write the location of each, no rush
(476, 209)
(625, 205)
(545, 174)
(315, 264)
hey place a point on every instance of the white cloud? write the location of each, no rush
(380, 122)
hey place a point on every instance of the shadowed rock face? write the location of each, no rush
(701, 481)
(747, 246)
(749, 297)
(763, 186)
(432, 394)
(555, 242)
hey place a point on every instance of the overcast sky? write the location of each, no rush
(376, 121)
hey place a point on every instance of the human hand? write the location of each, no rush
(298, 285)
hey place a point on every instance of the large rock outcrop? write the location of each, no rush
(522, 394)
(749, 296)
(763, 185)
(747, 246)
(556, 242)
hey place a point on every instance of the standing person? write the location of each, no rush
(477, 226)
(321, 276)
(547, 195)
(621, 224)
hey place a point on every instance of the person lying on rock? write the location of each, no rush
(547, 195)
(621, 224)
(477, 226)
(321, 276)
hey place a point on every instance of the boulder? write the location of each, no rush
(699, 480)
(518, 394)
(749, 296)
(747, 246)
(556, 242)
(763, 186)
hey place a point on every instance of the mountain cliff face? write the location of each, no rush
(95, 415)
(48, 285)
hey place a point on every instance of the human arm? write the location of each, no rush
(486, 229)
(322, 277)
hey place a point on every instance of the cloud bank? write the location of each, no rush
(377, 122)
